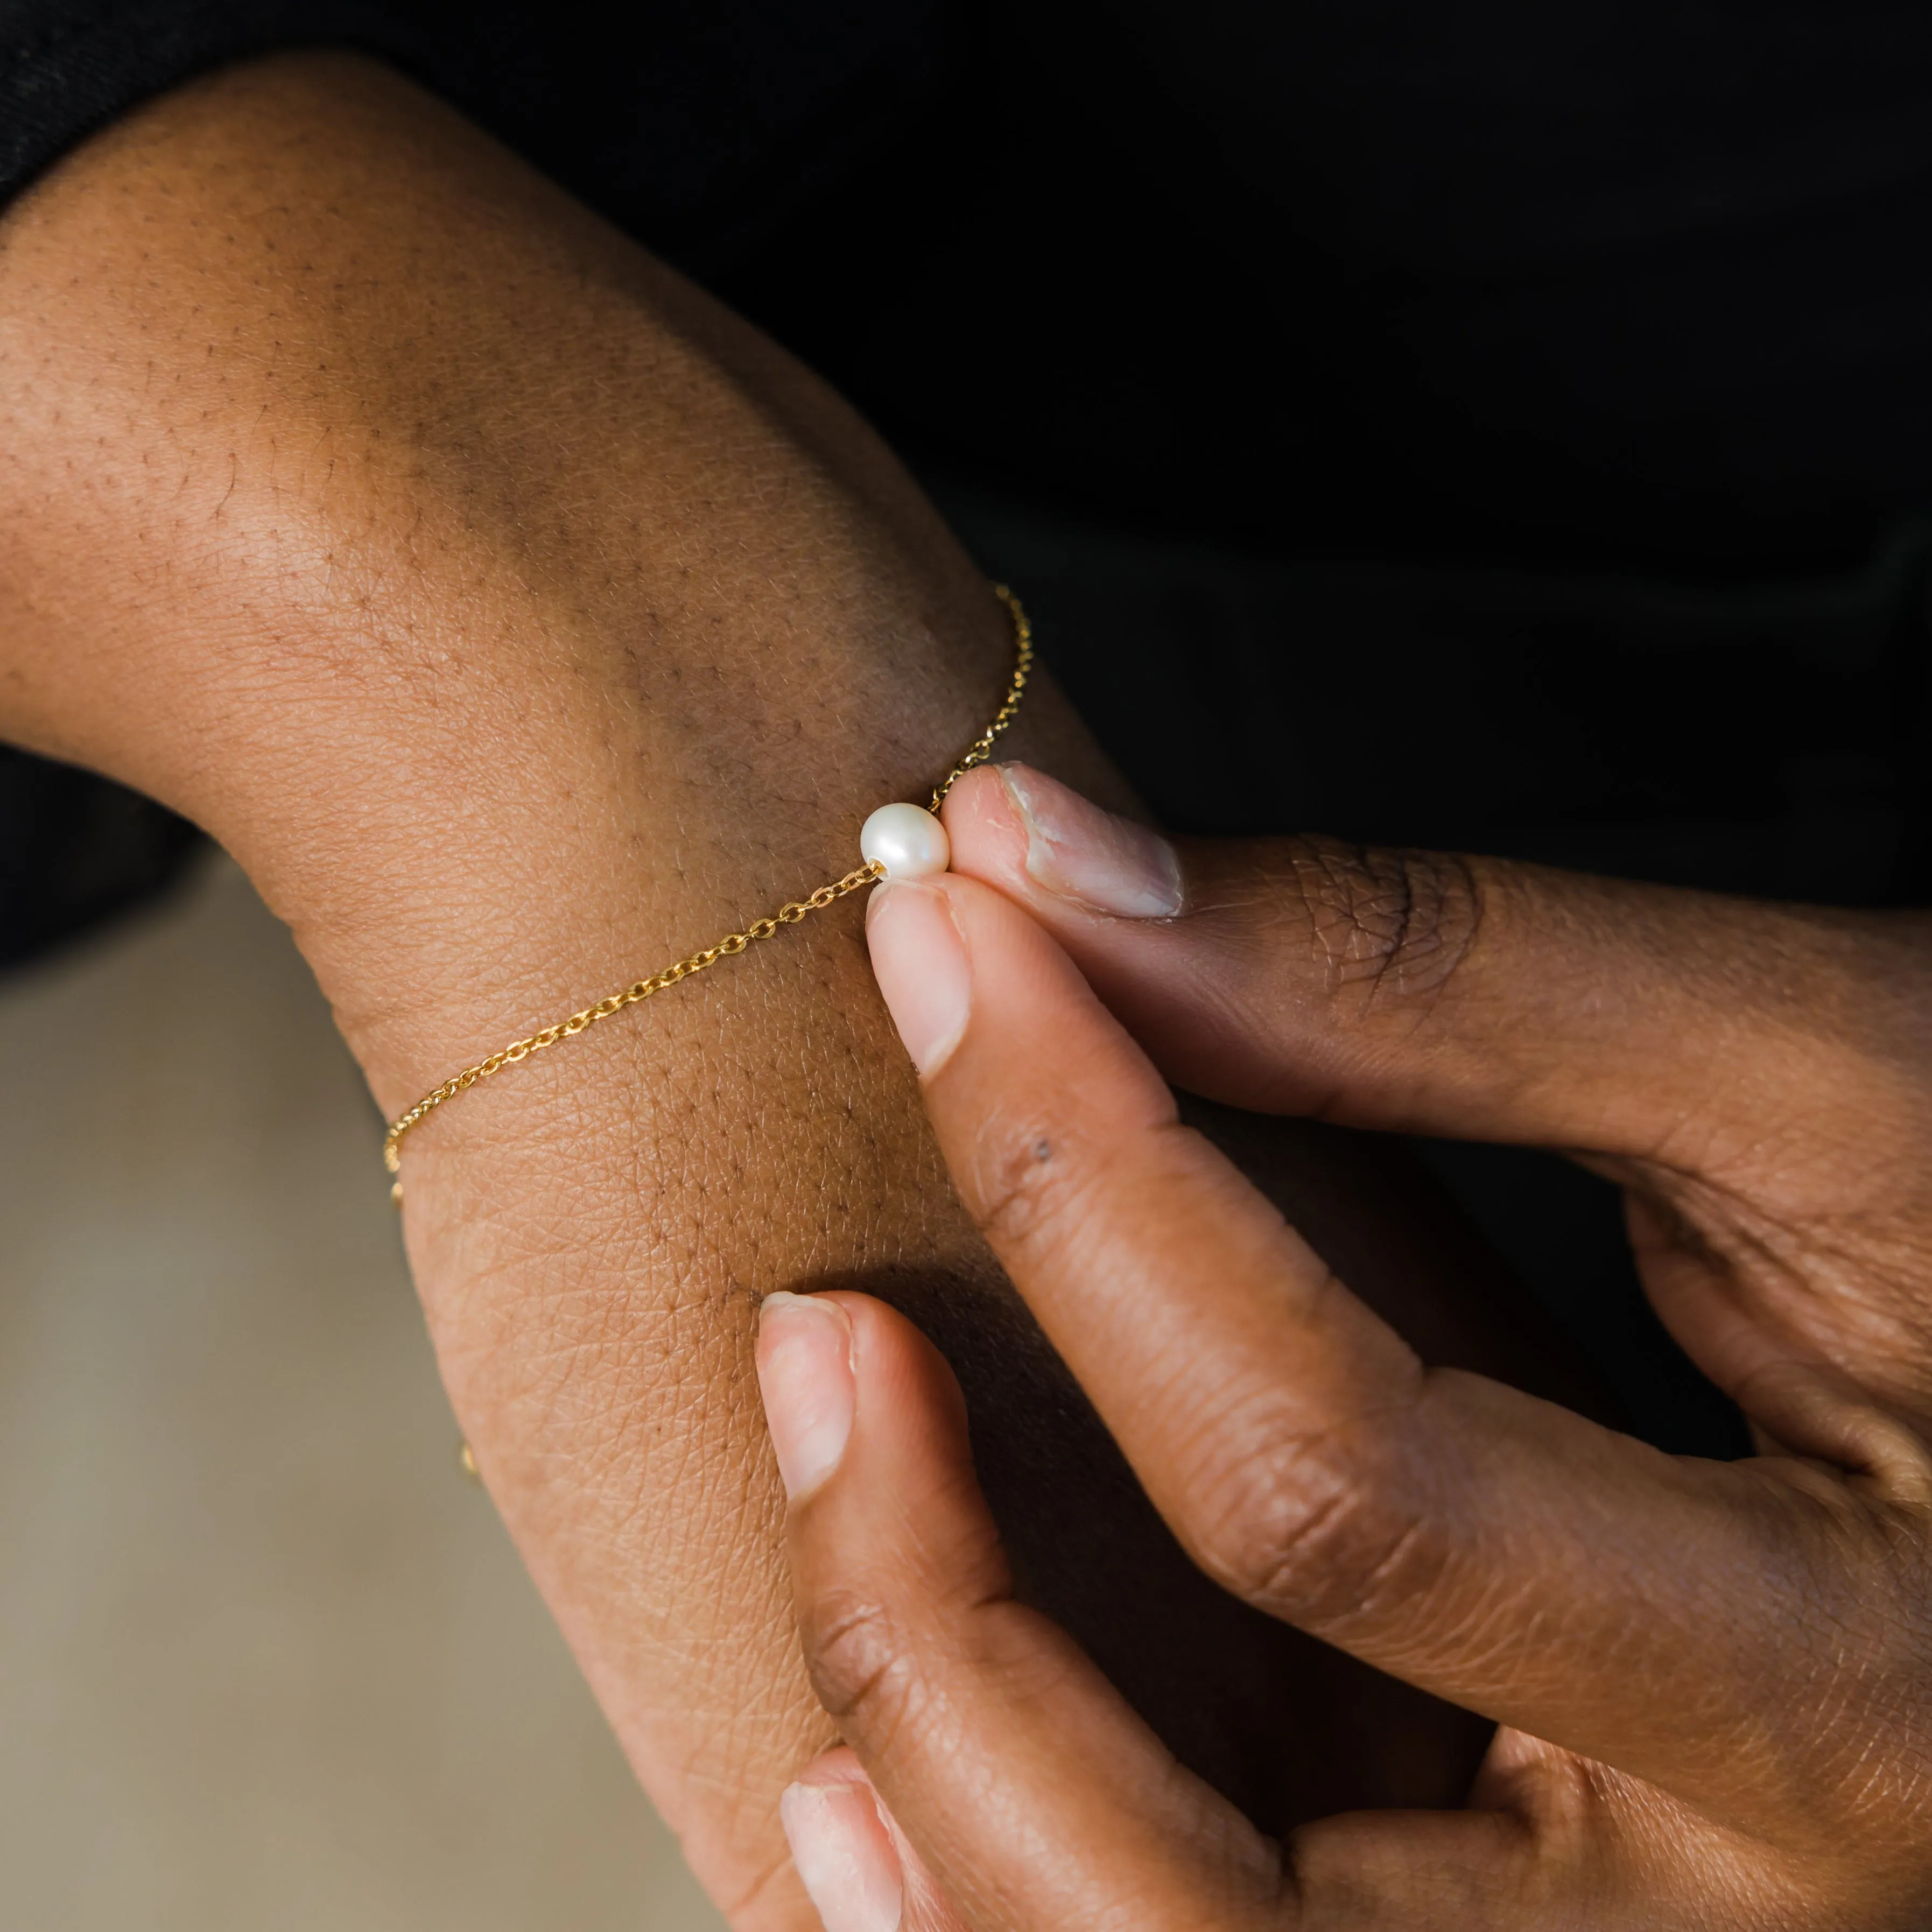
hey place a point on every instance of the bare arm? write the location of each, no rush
(521, 620)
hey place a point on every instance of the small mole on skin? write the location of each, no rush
(1042, 1150)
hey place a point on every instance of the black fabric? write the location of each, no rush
(75, 851)
(691, 122)
(1630, 283)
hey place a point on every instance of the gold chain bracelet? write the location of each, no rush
(735, 943)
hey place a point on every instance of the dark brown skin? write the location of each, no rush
(521, 620)
(1714, 1681)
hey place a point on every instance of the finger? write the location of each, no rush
(859, 1869)
(1797, 1403)
(1438, 993)
(1034, 1796)
(1553, 1843)
(1495, 1550)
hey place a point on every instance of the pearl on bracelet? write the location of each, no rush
(909, 843)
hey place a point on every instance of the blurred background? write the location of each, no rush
(267, 1659)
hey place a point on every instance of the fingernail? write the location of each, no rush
(851, 1871)
(805, 1374)
(920, 960)
(1075, 849)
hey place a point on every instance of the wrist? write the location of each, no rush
(466, 869)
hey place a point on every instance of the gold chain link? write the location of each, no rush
(733, 944)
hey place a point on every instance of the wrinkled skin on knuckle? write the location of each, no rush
(1309, 1527)
(862, 1666)
(1386, 923)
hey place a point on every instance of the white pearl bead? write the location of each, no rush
(909, 843)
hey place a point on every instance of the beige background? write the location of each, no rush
(266, 1660)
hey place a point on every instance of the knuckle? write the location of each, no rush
(1026, 1180)
(1390, 922)
(1305, 1526)
(862, 1667)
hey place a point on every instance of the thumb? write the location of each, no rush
(859, 1869)
(1438, 994)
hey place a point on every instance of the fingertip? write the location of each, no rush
(1041, 841)
(920, 960)
(846, 1377)
(841, 1846)
(987, 829)
(992, 1007)
(808, 1380)
(908, 1385)
(945, 951)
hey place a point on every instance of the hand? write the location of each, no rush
(1713, 1680)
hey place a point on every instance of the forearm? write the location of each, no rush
(521, 623)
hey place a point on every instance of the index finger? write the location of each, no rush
(1495, 1550)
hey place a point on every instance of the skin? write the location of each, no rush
(522, 620)
(1713, 1681)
